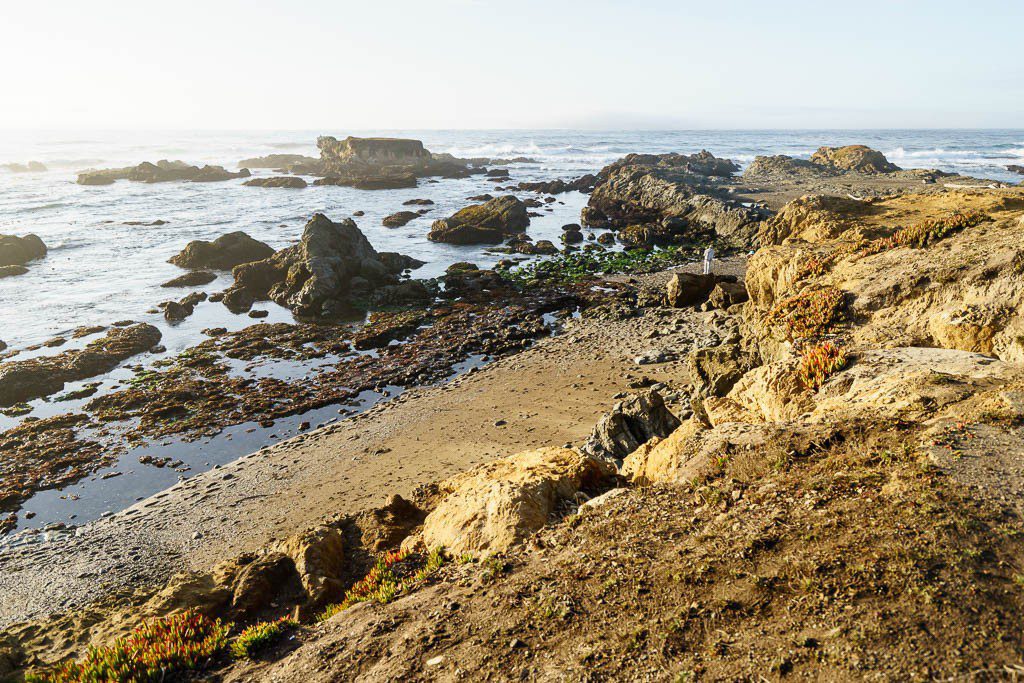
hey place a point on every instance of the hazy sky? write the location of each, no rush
(309, 64)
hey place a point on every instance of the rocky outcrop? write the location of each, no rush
(161, 172)
(584, 183)
(488, 223)
(195, 278)
(673, 198)
(278, 161)
(383, 163)
(30, 167)
(333, 270)
(693, 289)
(1014, 168)
(397, 220)
(781, 167)
(318, 556)
(853, 158)
(17, 251)
(286, 181)
(499, 504)
(36, 377)
(223, 253)
(631, 423)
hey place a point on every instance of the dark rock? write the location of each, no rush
(326, 273)
(376, 181)
(691, 289)
(161, 172)
(480, 198)
(630, 424)
(29, 379)
(714, 371)
(726, 294)
(397, 220)
(291, 182)
(584, 183)
(572, 236)
(224, 253)
(286, 161)
(176, 310)
(418, 202)
(17, 251)
(780, 167)
(1014, 168)
(193, 278)
(606, 238)
(259, 314)
(487, 223)
(11, 271)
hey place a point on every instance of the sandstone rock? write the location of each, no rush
(17, 251)
(161, 172)
(714, 371)
(726, 294)
(385, 528)
(184, 591)
(499, 504)
(672, 459)
(689, 289)
(328, 272)
(262, 582)
(35, 377)
(853, 158)
(291, 182)
(397, 220)
(223, 253)
(632, 422)
(193, 278)
(319, 558)
(487, 223)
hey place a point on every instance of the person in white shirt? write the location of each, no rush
(709, 256)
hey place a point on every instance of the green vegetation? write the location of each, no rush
(181, 642)
(395, 573)
(821, 361)
(253, 639)
(569, 268)
(810, 313)
(926, 233)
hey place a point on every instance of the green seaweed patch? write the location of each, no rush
(574, 267)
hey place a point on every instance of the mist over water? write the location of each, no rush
(100, 270)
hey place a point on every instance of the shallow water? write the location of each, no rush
(100, 270)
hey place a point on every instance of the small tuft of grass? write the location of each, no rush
(257, 637)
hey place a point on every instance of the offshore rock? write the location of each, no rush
(853, 158)
(161, 172)
(223, 253)
(17, 251)
(290, 182)
(487, 223)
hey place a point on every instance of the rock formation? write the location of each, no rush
(584, 183)
(290, 182)
(278, 161)
(631, 423)
(397, 220)
(672, 198)
(333, 270)
(488, 223)
(161, 172)
(36, 377)
(223, 253)
(780, 166)
(853, 158)
(30, 167)
(17, 251)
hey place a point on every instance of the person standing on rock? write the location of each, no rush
(709, 256)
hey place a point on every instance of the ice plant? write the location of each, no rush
(923, 234)
(185, 641)
(810, 313)
(395, 573)
(821, 361)
(259, 636)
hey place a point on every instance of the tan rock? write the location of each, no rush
(668, 460)
(501, 503)
(318, 554)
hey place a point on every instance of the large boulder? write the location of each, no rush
(487, 223)
(333, 270)
(689, 289)
(853, 158)
(631, 422)
(161, 172)
(319, 557)
(782, 167)
(17, 251)
(680, 195)
(499, 504)
(397, 220)
(25, 380)
(223, 253)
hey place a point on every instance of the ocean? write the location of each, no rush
(100, 270)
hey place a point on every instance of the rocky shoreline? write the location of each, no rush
(691, 456)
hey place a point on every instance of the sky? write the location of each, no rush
(309, 64)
